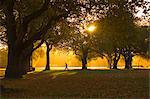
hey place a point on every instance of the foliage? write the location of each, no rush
(118, 30)
(28, 21)
(143, 41)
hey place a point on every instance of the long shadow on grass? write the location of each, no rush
(52, 74)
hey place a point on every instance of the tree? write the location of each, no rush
(118, 31)
(56, 36)
(81, 45)
(22, 34)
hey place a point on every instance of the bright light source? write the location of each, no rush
(91, 28)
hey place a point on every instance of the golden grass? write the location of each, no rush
(79, 84)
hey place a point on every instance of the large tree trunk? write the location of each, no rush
(15, 67)
(16, 63)
(18, 56)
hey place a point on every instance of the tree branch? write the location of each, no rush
(77, 53)
(41, 34)
(29, 18)
(4, 41)
(42, 41)
(37, 13)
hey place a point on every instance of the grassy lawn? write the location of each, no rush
(76, 84)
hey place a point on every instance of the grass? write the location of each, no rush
(79, 84)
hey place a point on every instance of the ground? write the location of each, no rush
(76, 84)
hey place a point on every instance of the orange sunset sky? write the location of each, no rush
(60, 57)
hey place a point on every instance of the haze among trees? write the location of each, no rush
(30, 23)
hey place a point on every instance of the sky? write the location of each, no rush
(60, 57)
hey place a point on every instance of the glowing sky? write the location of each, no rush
(59, 58)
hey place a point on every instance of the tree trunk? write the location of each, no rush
(16, 60)
(126, 64)
(130, 55)
(16, 66)
(84, 63)
(18, 55)
(84, 59)
(29, 59)
(128, 60)
(109, 60)
(109, 63)
(115, 64)
(49, 47)
(47, 60)
(116, 59)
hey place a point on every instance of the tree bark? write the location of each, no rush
(116, 59)
(16, 63)
(49, 47)
(47, 58)
(29, 59)
(84, 58)
(115, 64)
(109, 60)
(126, 64)
(84, 63)
(128, 59)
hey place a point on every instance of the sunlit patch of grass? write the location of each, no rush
(80, 84)
(55, 74)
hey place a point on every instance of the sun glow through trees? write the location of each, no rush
(91, 28)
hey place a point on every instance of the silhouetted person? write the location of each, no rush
(66, 66)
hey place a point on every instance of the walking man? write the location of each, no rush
(66, 67)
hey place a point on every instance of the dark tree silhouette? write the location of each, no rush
(26, 24)
(81, 46)
(20, 17)
(57, 34)
(118, 32)
(49, 47)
